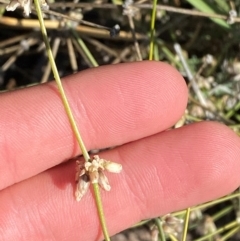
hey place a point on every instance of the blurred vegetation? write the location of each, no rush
(199, 37)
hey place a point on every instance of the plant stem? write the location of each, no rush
(100, 211)
(84, 48)
(158, 222)
(172, 237)
(152, 29)
(184, 236)
(225, 228)
(230, 234)
(209, 204)
(71, 118)
(59, 83)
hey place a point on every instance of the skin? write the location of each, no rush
(128, 105)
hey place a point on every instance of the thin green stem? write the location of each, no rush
(220, 230)
(85, 49)
(71, 118)
(160, 229)
(209, 204)
(222, 212)
(186, 223)
(59, 83)
(230, 233)
(153, 18)
(100, 211)
(172, 237)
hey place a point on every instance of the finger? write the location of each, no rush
(162, 173)
(112, 105)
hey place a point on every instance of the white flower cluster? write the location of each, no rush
(92, 171)
(26, 5)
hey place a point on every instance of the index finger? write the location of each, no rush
(112, 105)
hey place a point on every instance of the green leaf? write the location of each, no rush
(205, 7)
(223, 5)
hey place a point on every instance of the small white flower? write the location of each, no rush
(26, 5)
(172, 225)
(82, 187)
(112, 167)
(169, 219)
(129, 9)
(12, 5)
(231, 17)
(92, 171)
(103, 182)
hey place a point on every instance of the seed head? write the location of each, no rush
(93, 171)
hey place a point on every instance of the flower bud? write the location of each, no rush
(113, 167)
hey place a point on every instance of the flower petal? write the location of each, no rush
(103, 182)
(26, 4)
(80, 170)
(12, 5)
(82, 187)
(113, 167)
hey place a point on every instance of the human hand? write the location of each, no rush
(130, 106)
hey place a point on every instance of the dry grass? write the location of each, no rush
(204, 49)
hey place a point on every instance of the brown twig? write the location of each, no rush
(54, 24)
